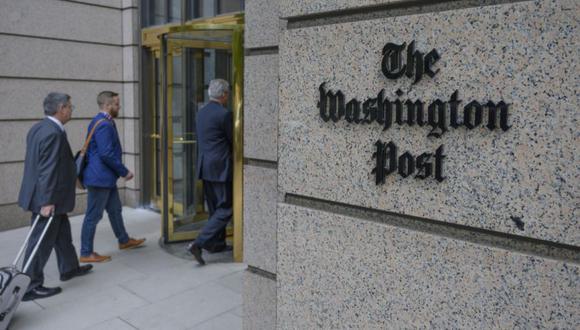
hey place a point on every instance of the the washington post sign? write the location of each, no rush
(439, 115)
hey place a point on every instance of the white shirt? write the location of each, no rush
(57, 122)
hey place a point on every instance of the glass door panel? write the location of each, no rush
(190, 60)
(187, 192)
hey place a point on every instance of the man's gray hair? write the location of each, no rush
(52, 101)
(217, 88)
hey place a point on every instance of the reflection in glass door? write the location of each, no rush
(189, 72)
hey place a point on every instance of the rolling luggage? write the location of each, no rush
(13, 282)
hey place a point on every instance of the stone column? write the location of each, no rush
(131, 102)
(260, 162)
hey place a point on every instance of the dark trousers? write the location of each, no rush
(99, 200)
(218, 196)
(58, 236)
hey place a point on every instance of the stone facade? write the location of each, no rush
(526, 172)
(79, 48)
(494, 244)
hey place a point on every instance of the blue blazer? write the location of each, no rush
(214, 127)
(104, 155)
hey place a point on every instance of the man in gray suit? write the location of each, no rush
(48, 188)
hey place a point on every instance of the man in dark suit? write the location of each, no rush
(48, 188)
(214, 128)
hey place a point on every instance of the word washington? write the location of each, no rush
(438, 114)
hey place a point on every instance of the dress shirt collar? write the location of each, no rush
(56, 121)
(107, 115)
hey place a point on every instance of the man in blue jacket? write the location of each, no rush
(214, 128)
(105, 166)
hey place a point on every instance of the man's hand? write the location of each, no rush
(47, 210)
(129, 176)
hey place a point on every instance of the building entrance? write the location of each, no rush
(183, 59)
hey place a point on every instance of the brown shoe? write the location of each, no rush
(94, 257)
(131, 243)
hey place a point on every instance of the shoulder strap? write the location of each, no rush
(88, 140)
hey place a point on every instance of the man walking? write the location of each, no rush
(214, 127)
(104, 167)
(48, 189)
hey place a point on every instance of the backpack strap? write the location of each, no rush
(88, 140)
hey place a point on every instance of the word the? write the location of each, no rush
(417, 63)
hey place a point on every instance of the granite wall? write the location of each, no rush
(529, 171)
(490, 237)
(79, 48)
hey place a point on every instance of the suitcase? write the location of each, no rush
(13, 282)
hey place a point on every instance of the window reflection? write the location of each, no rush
(174, 11)
(159, 12)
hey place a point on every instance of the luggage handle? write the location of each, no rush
(29, 261)
(31, 257)
(19, 255)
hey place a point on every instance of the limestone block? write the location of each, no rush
(131, 29)
(132, 136)
(80, 203)
(130, 100)
(108, 3)
(27, 57)
(132, 198)
(13, 137)
(13, 217)
(22, 98)
(76, 131)
(10, 181)
(62, 20)
(130, 3)
(132, 162)
(130, 63)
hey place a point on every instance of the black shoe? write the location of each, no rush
(196, 252)
(82, 270)
(219, 248)
(41, 292)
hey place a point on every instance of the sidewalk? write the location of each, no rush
(144, 288)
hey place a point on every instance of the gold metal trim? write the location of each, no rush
(238, 84)
(150, 37)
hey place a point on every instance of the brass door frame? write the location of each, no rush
(155, 39)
